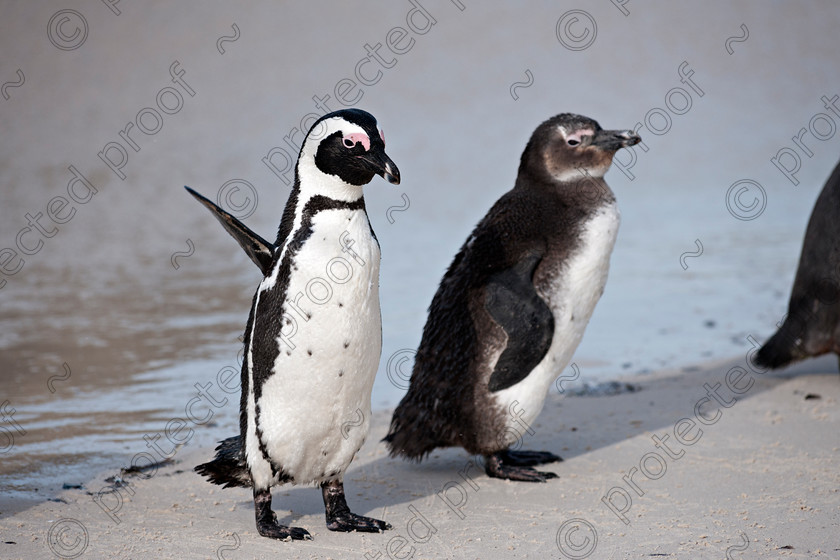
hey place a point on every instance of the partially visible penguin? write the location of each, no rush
(514, 303)
(812, 324)
(314, 334)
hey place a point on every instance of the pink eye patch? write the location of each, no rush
(579, 134)
(351, 139)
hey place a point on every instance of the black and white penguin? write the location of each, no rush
(514, 303)
(812, 325)
(314, 334)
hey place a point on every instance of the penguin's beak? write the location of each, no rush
(383, 166)
(614, 140)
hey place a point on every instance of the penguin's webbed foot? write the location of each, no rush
(339, 516)
(274, 530)
(529, 458)
(267, 524)
(349, 521)
(495, 467)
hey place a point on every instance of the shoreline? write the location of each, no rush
(22, 498)
(684, 466)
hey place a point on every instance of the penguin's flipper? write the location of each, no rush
(514, 304)
(260, 250)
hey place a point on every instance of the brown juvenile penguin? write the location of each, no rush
(513, 305)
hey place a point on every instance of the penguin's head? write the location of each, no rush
(569, 147)
(348, 146)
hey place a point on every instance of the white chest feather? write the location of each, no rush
(315, 408)
(571, 293)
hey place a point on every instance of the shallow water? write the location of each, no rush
(142, 295)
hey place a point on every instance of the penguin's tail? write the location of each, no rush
(229, 468)
(409, 440)
(793, 341)
(776, 352)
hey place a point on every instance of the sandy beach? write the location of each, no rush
(686, 465)
(123, 303)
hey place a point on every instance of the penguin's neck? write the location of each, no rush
(305, 202)
(575, 174)
(311, 182)
(586, 190)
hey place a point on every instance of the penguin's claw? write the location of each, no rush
(348, 521)
(496, 467)
(274, 530)
(529, 458)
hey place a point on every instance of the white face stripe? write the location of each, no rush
(325, 128)
(312, 180)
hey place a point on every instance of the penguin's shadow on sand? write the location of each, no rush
(389, 483)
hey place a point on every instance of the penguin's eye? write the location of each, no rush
(351, 140)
